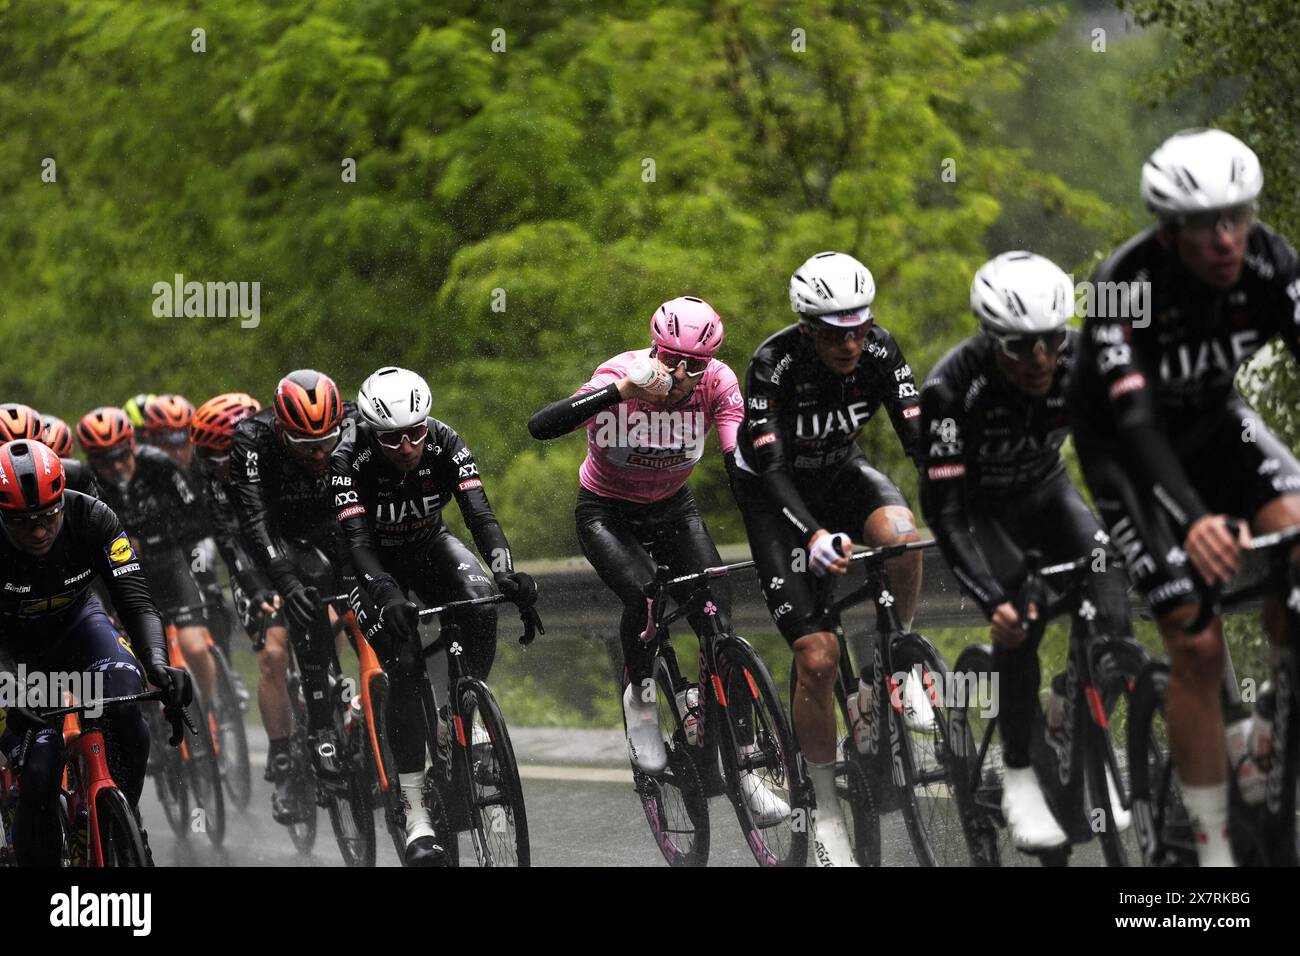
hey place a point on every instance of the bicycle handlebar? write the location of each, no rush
(44, 715)
(1212, 598)
(531, 620)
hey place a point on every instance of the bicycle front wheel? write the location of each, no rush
(918, 707)
(1164, 829)
(498, 820)
(167, 764)
(203, 775)
(1116, 669)
(759, 757)
(120, 841)
(230, 737)
(975, 762)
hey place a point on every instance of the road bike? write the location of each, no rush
(1082, 767)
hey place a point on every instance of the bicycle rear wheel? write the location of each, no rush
(758, 751)
(674, 801)
(975, 766)
(918, 708)
(231, 739)
(498, 819)
(119, 834)
(1163, 827)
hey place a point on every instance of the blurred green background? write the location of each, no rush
(573, 164)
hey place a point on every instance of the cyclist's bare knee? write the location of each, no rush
(817, 659)
(1196, 659)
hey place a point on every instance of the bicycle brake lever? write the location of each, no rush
(532, 625)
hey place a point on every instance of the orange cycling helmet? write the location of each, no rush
(307, 404)
(165, 413)
(56, 434)
(31, 477)
(19, 421)
(213, 426)
(104, 429)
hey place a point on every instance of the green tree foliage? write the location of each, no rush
(517, 213)
(1246, 49)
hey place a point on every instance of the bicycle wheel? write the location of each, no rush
(918, 706)
(231, 739)
(758, 751)
(498, 820)
(674, 802)
(167, 764)
(975, 767)
(302, 832)
(1116, 667)
(119, 835)
(203, 775)
(391, 798)
(347, 802)
(1162, 824)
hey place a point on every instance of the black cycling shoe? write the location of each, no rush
(425, 851)
(286, 800)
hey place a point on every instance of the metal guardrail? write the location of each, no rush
(575, 603)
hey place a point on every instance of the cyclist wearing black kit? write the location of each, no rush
(279, 470)
(805, 489)
(55, 545)
(391, 478)
(993, 485)
(1169, 448)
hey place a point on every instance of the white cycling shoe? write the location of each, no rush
(1028, 817)
(831, 840)
(422, 847)
(766, 807)
(645, 744)
(917, 709)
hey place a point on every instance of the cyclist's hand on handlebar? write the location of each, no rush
(1008, 630)
(174, 682)
(517, 587)
(265, 603)
(828, 553)
(300, 608)
(401, 618)
(1214, 552)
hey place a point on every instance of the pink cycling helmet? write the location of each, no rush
(687, 324)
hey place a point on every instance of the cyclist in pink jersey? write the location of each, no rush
(647, 413)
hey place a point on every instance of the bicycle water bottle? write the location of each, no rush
(352, 716)
(1251, 780)
(688, 706)
(862, 715)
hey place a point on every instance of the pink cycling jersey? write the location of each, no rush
(643, 452)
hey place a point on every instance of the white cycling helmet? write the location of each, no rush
(833, 288)
(1198, 170)
(394, 398)
(1019, 293)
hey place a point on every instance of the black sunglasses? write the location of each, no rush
(1022, 347)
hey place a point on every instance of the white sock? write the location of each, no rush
(417, 821)
(1208, 808)
(823, 781)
